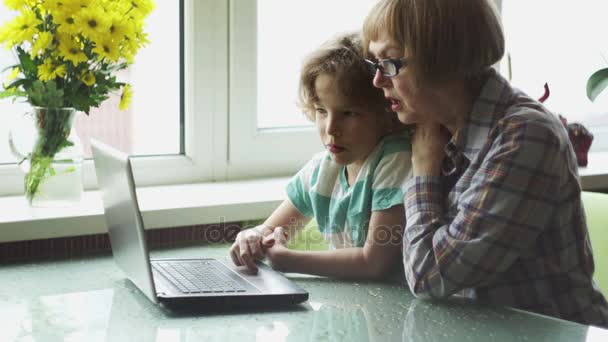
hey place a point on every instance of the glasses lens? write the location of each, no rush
(387, 67)
(371, 66)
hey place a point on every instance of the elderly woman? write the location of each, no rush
(494, 209)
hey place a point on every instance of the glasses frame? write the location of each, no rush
(381, 65)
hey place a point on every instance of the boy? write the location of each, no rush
(354, 189)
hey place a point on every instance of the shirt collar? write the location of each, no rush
(488, 108)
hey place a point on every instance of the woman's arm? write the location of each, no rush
(510, 200)
(247, 247)
(373, 260)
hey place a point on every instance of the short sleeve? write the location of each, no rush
(391, 175)
(298, 188)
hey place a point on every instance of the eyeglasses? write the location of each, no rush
(388, 67)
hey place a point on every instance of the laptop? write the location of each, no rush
(198, 283)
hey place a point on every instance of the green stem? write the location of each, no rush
(39, 166)
(54, 127)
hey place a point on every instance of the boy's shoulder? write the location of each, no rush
(395, 143)
(401, 140)
(319, 166)
(318, 159)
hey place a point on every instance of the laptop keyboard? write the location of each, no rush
(197, 276)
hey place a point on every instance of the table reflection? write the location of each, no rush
(90, 300)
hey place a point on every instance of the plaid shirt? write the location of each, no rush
(504, 223)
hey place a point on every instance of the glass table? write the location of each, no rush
(90, 300)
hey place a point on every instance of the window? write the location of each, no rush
(562, 44)
(152, 124)
(268, 133)
(215, 91)
(232, 113)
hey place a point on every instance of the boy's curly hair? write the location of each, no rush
(342, 58)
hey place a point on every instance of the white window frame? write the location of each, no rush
(257, 152)
(222, 141)
(204, 31)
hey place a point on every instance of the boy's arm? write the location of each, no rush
(287, 216)
(373, 260)
(247, 247)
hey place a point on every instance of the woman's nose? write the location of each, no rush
(380, 81)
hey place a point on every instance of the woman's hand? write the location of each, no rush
(428, 143)
(276, 244)
(247, 247)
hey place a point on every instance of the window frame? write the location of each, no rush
(255, 152)
(198, 135)
(220, 138)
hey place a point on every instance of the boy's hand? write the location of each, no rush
(278, 236)
(275, 246)
(247, 248)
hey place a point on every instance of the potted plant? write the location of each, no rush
(68, 53)
(597, 83)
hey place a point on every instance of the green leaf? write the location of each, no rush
(18, 83)
(9, 93)
(597, 83)
(11, 67)
(70, 169)
(45, 94)
(30, 70)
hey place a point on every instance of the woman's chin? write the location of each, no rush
(407, 118)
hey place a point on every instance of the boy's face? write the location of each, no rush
(348, 132)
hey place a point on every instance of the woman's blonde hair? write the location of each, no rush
(342, 58)
(443, 39)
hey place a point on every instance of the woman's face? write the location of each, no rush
(406, 99)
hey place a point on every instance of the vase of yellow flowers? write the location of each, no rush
(51, 179)
(68, 53)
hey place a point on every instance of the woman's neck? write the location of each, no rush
(454, 102)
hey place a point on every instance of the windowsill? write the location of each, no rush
(162, 207)
(183, 205)
(594, 177)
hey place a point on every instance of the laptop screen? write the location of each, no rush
(123, 218)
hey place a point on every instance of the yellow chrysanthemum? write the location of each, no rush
(13, 4)
(107, 49)
(4, 34)
(116, 7)
(82, 3)
(19, 4)
(125, 97)
(119, 29)
(133, 43)
(21, 29)
(67, 23)
(71, 50)
(14, 73)
(42, 42)
(93, 22)
(58, 7)
(88, 78)
(141, 8)
(48, 71)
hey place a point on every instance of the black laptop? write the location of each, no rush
(197, 283)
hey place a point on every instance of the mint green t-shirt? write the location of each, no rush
(320, 190)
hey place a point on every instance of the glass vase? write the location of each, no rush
(51, 156)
